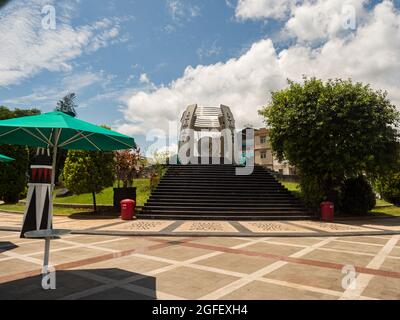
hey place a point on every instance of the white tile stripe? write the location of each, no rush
(111, 283)
(306, 288)
(260, 273)
(190, 263)
(363, 280)
(29, 257)
(242, 275)
(174, 264)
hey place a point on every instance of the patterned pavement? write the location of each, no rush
(147, 267)
(114, 226)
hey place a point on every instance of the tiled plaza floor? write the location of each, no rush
(148, 267)
(307, 228)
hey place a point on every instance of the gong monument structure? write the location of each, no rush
(207, 133)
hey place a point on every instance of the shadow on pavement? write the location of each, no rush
(7, 245)
(91, 283)
(93, 216)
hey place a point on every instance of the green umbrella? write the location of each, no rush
(59, 130)
(4, 158)
(55, 130)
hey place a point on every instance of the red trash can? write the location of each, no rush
(127, 209)
(327, 211)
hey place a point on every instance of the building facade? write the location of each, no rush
(263, 154)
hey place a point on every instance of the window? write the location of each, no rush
(263, 155)
(263, 139)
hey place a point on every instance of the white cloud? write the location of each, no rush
(78, 81)
(207, 50)
(27, 48)
(240, 83)
(144, 78)
(321, 19)
(259, 9)
(48, 96)
(182, 10)
(369, 54)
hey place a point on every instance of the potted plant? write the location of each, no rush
(129, 164)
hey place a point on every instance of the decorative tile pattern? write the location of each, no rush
(271, 226)
(329, 227)
(140, 225)
(205, 226)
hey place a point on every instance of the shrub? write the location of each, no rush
(311, 193)
(358, 196)
(389, 188)
(332, 130)
(13, 175)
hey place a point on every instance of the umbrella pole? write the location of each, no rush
(50, 220)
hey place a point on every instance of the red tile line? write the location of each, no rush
(88, 261)
(323, 264)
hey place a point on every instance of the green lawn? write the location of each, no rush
(294, 187)
(382, 207)
(106, 196)
(389, 210)
(20, 207)
(103, 198)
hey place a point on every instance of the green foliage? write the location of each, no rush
(129, 164)
(88, 172)
(6, 113)
(311, 192)
(13, 175)
(358, 196)
(332, 131)
(67, 104)
(389, 187)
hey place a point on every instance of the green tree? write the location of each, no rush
(388, 186)
(332, 131)
(13, 175)
(67, 104)
(88, 172)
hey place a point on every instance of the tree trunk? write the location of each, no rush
(94, 202)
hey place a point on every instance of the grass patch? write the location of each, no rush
(382, 207)
(383, 203)
(106, 196)
(20, 207)
(293, 187)
(389, 210)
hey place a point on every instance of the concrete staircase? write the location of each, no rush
(216, 192)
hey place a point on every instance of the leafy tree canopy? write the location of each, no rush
(88, 172)
(333, 130)
(68, 105)
(13, 175)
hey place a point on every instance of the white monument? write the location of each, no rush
(207, 134)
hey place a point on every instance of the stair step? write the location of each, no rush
(215, 191)
(225, 212)
(195, 216)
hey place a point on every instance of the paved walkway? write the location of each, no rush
(307, 228)
(113, 267)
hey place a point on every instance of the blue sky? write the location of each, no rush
(156, 42)
(135, 64)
